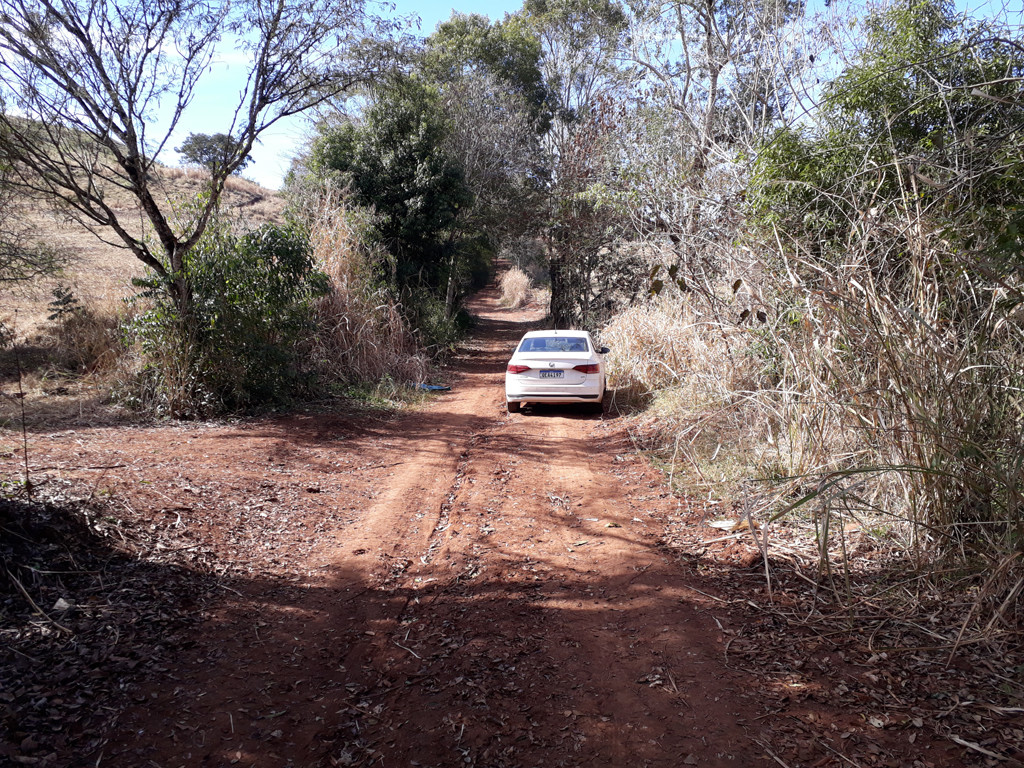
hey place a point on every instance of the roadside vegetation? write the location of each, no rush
(516, 288)
(837, 333)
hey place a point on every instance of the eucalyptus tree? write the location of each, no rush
(489, 79)
(582, 42)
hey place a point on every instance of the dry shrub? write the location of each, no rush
(694, 372)
(883, 391)
(541, 297)
(515, 287)
(89, 339)
(677, 342)
(252, 203)
(190, 172)
(364, 338)
(905, 378)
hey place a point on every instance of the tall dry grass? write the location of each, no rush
(910, 372)
(696, 377)
(515, 286)
(883, 390)
(89, 339)
(849, 378)
(364, 337)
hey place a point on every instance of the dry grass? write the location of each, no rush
(67, 368)
(364, 338)
(692, 374)
(880, 391)
(100, 273)
(70, 366)
(515, 287)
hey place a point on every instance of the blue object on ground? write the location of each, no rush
(432, 388)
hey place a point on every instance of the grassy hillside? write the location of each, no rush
(99, 274)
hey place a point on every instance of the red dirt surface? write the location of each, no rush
(454, 586)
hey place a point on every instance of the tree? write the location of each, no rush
(90, 79)
(717, 78)
(581, 41)
(491, 85)
(211, 151)
(254, 323)
(394, 161)
(507, 53)
(720, 65)
(489, 80)
(924, 124)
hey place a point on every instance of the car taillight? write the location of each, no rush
(517, 368)
(594, 368)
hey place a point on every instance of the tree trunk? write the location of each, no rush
(449, 298)
(561, 300)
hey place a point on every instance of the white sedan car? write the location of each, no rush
(555, 367)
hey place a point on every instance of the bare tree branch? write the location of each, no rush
(85, 83)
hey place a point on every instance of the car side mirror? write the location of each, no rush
(604, 350)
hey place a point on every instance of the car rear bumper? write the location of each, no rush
(588, 393)
(550, 398)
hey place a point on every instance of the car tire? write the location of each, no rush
(513, 406)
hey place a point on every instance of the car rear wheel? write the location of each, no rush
(513, 406)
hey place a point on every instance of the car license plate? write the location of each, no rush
(551, 374)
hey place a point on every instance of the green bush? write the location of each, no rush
(437, 331)
(241, 340)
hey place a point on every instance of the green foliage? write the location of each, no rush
(925, 120)
(64, 303)
(895, 90)
(806, 184)
(508, 52)
(395, 162)
(244, 339)
(211, 151)
(437, 329)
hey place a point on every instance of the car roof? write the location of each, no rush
(535, 334)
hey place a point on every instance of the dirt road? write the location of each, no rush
(454, 586)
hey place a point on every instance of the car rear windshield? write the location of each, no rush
(555, 344)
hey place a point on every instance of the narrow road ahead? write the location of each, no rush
(456, 586)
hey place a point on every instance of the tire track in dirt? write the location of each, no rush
(541, 626)
(492, 596)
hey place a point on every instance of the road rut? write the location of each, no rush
(457, 586)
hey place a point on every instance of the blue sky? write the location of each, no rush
(210, 112)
